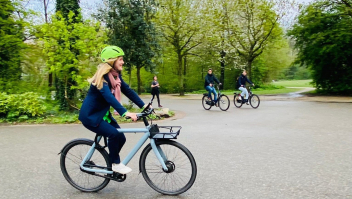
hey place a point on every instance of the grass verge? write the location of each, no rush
(294, 83)
(68, 118)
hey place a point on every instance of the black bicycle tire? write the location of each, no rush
(66, 175)
(228, 106)
(144, 155)
(204, 105)
(234, 101)
(250, 100)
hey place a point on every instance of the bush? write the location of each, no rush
(21, 105)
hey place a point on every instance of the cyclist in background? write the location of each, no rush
(241, 85)
(209, 84)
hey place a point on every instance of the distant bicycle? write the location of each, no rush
(223, 101)
(253, 99)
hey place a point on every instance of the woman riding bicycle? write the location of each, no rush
(209, 84)
(241, 85)
(105, 90)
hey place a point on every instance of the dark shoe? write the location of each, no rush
(160, 106)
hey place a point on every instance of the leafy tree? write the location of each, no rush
(69, 46)
(131, 29)
(251, 25)
(65, 87)
(272, 62)
(181, 24)
(11, 44)
(67, 6)
(324, 40)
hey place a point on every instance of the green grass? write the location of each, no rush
(269, 92)
(68, 118)
(294, 83)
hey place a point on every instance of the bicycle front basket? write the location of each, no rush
(164, 132)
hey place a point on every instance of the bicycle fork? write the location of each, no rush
(159, 154)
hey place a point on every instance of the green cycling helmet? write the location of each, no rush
(111, 52)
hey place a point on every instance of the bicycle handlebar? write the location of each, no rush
(146, 111)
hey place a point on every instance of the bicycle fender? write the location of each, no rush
(72, 141)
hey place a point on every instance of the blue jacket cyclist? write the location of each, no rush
(105, 91)
(209, 84)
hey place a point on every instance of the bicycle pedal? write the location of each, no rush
(119, 177)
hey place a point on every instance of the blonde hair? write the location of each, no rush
(103, 68)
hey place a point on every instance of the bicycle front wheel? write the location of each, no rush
(182, 168)
(254, 101)
(224, 102)
(71, 157)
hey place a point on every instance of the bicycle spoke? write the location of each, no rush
(81, 179)
(176, 179)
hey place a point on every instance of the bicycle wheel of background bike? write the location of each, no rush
(254, 101)
(224, 102)
(237, 100)
(204, 102)
(182, 168)
(71, 158)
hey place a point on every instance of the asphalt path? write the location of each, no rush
(283, 149)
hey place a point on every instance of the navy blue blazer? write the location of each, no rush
(98, 102)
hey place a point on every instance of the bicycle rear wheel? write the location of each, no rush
(206, 103)
(224, 102)
(71, 157)
(237, 100)
(182, 168)
(254, 101)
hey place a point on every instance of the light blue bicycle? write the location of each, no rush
(167, 166)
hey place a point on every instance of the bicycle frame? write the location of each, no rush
(157, 150)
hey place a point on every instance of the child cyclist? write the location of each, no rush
(105, 90)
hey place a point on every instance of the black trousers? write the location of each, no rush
(116, 139)
(157, 96)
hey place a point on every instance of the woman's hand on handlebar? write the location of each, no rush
(132, 116)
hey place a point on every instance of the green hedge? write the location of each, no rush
(21, 106)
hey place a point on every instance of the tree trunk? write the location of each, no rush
(181, 75)
(185, 66)
(249, 68)
(222, 76)
(129, 78)
(139, 80)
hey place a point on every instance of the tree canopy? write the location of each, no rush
(324, 41)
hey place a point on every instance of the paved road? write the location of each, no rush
(284, 149)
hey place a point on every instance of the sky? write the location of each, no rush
(90, 6)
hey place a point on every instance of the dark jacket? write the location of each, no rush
(98, 102)
(155, 90)
(242, 81)
(209, 79)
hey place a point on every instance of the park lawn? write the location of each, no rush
(268, 92)
(294, 83)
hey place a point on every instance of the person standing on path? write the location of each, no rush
(155, 90)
